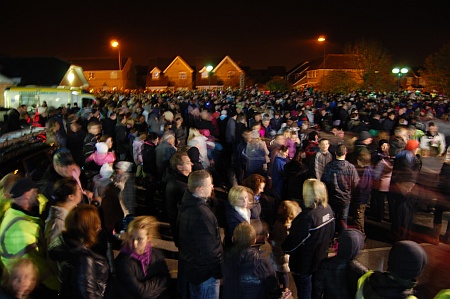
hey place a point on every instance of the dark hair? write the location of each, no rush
(63, 158)
(63, 188)
(341, 150)
(152, 136)
(177, 159)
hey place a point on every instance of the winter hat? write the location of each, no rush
(205, 132)
(412, 145)
(407, 259)
(106, 170)
(22, 186)
(102, 147)
(351, 242)
(363, 135)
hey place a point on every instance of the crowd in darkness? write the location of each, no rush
(300, 170)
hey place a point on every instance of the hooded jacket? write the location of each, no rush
(200, 250)
(337, 277)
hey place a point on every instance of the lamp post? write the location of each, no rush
(399, 72)
(209, 68)
(322, 39)
(115, 44)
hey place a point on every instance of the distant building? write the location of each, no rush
(106, 74)
(311, 73)
(39, 71)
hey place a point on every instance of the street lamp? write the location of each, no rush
(115, 44)
(400, 72)
(322, 39)
(209, 68)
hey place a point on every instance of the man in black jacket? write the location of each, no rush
(177, 183)
(200, 246)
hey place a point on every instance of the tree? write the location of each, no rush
(437, 70)
(339, 82)
(374, 63)
(278, 84)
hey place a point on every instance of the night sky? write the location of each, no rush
(253, 33)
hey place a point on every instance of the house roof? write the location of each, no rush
(160, 63)
(223, 61)
(201, 62)
(182, 61)
(338, 61)
(42, 71)
(99, 64)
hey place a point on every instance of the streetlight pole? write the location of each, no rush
(322, 39)
(399, 72)
(209, 68)
(115, 44)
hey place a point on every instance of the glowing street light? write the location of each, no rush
(209, 68)
(115, 44)
(322, 39)
(399, 72)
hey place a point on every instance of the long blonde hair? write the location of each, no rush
(314, 193)
(288, 210)
(193, 132)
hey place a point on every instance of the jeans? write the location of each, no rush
(209, 289)
(303, 282)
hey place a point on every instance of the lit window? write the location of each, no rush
(155, 75)
(230, 74)
(91, 76)
(182, 75)
(113, 75)
(205, 74)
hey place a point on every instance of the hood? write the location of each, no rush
(407, 259)
(63, 248)
(194, 154)
(384, 285)
(351, 242)
(337, 165)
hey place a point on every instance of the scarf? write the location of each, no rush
(144, 259)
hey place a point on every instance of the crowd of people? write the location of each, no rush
(277, 167)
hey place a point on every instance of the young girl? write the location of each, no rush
(22, 280)
(287, 211)
(101, 155)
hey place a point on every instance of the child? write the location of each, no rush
(101, 155)
(287, 211)
(22, 279)
(94, 128)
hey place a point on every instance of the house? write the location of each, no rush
(106, 74)
(311, 73)
(178, 75)
(412, 80)
(229, 72)
(40, 71)
(155, 78)
(204, 75)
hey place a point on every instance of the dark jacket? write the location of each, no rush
(337, 277)
(233, 219)
(84, 273)
(122, 144)
(175, 188)
(149, 159)
(248, 275)
(309, 238)
(341, 179)
(296, 173)
(383, 285)
(200, 251)
(132, 281)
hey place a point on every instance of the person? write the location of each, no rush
(101, 155)
(164, 151)
(320, 159)
(21, 232)
(381, 180)
(405, 175)
(406, 261)
(94, 129)
(177, 183)
(124, 180)
(278, 178)
(296, 172)
(309, 236)
(75, 137)
(180, 132)
(255, 156)
(247, 274)
(141, 269)
(13, 123)
(121, 133)
(84, 273)
(67, 196)
(341, 179)
(194, 134)
(200, 250)
(150, 169)
(433, 142)
(287, 211)
(237, 210)
(337, 276)
(22, 281)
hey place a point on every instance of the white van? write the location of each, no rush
(33, 97)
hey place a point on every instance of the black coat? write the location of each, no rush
(84, 273)
(309, 238)
(132, 283)
(200, 246)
